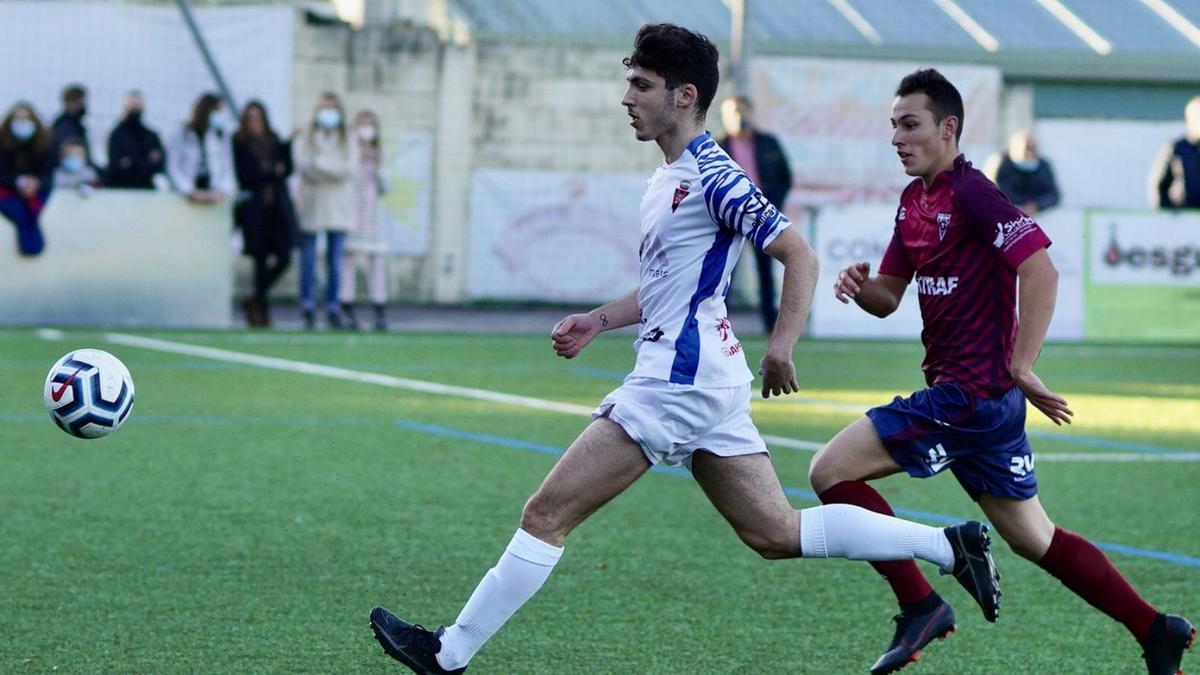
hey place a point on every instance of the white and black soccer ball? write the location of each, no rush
(89, 393)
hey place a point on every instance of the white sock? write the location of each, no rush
(846, 531)
(520, 572)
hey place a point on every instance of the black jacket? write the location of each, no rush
(135, 154)
(773, 170)
(65, 127)
(1021, 186)
(1180, 165)
(264, 209)
(24, 160)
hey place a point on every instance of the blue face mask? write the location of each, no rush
(72, 163)
(1028, 165)
(328, 118)
(23, 129)
(216, 121)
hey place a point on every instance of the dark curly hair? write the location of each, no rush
(680, 56)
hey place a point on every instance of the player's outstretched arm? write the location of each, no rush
(879, 295)
(573, 333)
(1037, 289)
(800, 268)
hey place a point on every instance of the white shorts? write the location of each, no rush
(671, 421)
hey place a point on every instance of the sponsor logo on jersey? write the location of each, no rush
(943, 221)
(723, 328)
(680, 192)
(903, 214)
(653, 335)
(733, 350)
(936, 285)
(1011, 232)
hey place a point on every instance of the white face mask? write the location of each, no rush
(23, 129)
(216, 121)
(366, 133)
(328, 118)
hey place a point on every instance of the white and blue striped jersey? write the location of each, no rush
(697, 213)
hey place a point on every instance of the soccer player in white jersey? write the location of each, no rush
(687, 401)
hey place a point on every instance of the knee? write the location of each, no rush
(1030, 543)
(540, 520)
(822, 473)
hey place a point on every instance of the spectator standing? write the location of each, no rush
(327, 159)
(135, 153)
(1025, 177)
(366, 245)
(69, 124)
(26, 165)
(1175, 180)
(200, 159)
(264, 208)
(73, 171)
(762, 158)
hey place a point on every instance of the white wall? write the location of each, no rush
(121, 258)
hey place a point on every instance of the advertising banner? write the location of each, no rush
(553, 236)
(1143, 276)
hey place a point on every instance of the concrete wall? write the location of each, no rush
(121, 258)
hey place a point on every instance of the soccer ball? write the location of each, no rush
(89, 393)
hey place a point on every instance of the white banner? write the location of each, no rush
(404, 208)
(849, 234)
(552, 236)
(122, 258)
(832, 118)
(1158, 248)
(843, 235)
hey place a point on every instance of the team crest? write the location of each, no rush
(680, 193)
(943, 221)
(903, 214)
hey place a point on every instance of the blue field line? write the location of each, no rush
(928, 516)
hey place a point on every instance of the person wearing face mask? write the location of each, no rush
(73, 170)
(327, 159)
(26, 163)
(135, 153)
(200, 160)
(1025, 177)
(366, 246)
(70, 123)
(1175, 179)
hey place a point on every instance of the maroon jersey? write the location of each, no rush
(963, 239)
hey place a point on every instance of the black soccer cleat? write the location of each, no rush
(412, 645)
(1169, 637)
(913, 632)
(974, 567)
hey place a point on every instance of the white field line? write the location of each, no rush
(306, 368)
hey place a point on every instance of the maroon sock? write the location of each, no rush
(1084, 569)
(906, 579)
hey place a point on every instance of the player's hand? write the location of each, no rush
(572, 334)
(849, 281)
(778, 375)
(1052, 405)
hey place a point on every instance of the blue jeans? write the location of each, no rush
(24, 214)
(335, 243)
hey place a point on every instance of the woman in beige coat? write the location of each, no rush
(326, 158)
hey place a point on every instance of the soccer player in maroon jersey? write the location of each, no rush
(967, 246)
